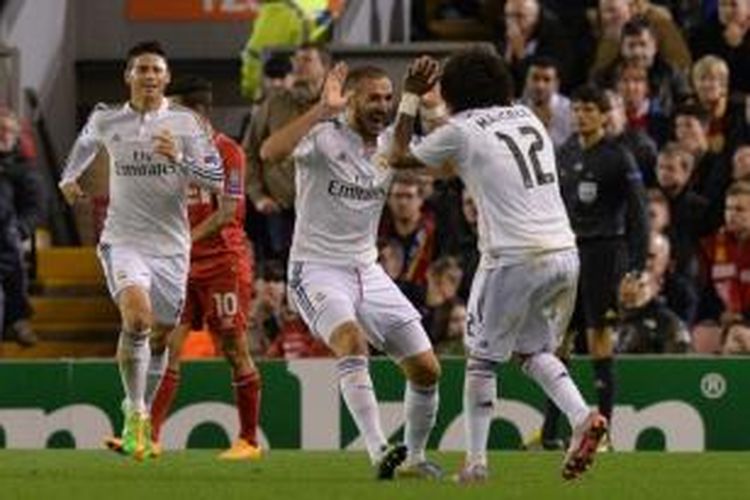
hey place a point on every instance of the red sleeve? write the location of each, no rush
(233, 158)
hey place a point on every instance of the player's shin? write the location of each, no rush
(553, 377)
(247, 397)
(480, 391)
(133, 355)
(156, 368)
(420, 407)
(359, 396)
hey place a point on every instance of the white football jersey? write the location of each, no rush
(340, 192)
(506, 159)
(147, 192)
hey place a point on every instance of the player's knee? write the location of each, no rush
(423, 369)
(348, 340)
(136, 323)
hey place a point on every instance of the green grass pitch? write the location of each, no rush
(81, 475)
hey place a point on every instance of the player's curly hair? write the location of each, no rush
(476, 78)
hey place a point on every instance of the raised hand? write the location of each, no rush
(334, 98)
(421, 75)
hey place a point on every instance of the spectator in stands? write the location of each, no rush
(266, 318)
(712, 172)
(270, 187)
(679, 292)
(643, 113)
(728, 113)
(613, 16)
(636, 141)
(741, 163)
(541, 93)
(638, 45)
(443, 279)
(452, 341)
(688, 210)
(727, 36)
(529, 29)
(647, 324)
(658, 211)
(726, 263)
(21, 207)
(406, 223)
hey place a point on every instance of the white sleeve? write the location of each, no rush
(84, 149)
(201, 159)
(308, 150)
(443, 144)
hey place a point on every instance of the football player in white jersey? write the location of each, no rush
(524, 290)
(155, 150)
(342, 293)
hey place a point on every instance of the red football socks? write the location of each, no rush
(247, 397)
(165, 394)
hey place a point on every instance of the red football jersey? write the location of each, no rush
(202, 203)
(726, 261)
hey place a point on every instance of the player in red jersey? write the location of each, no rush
(219, 285)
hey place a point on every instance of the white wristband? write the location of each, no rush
(434, 113)
(409, 104)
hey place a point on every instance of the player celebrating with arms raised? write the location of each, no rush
(344, 296)
(155, 151)
(524, 290)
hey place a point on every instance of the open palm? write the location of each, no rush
(334, 97)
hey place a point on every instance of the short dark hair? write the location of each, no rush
(323, 53)
(541, 61)
(635, 26)
(145, 47)
(476, 78)
(366, 72)
(589, 93)
(693, 109)
(193, 90)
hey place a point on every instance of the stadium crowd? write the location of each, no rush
(675, 78)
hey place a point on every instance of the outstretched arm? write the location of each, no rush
(333, 100)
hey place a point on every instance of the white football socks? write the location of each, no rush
(480, 392)
(156, 366)
(552, 375)
(420, 408)
(356, 388)
(133, 355)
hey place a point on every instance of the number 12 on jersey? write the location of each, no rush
(531, 156)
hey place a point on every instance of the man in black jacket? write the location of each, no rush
(20, 210)
(607, 206)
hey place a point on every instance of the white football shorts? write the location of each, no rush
(523, 308)
(327, 296)
(164, 278)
